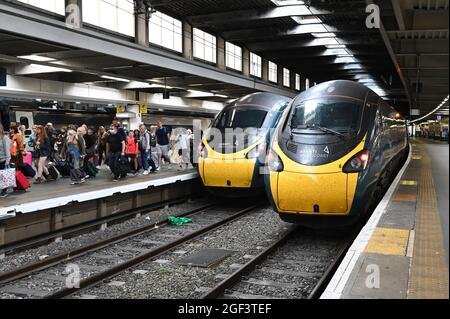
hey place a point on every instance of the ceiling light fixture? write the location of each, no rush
(115, 78)
(37, 58)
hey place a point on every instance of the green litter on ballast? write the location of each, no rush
(178, 221)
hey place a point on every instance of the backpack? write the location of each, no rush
(123, 166)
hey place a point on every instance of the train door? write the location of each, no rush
(25, 118)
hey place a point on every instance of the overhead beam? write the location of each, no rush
(262, 46)
(264, 33)
(398, 11)
(254, 15)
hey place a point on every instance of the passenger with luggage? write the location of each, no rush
(115, 148)
(17, 147)
(51, 133)
(155, 151)
(5, 158)
(60, 141)
(144, 147)
(132, 150)
(31, 144)
(102, 135)
(74, 151)
(91, 142)
(43, 147)
(163, 140)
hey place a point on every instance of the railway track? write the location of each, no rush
(107, 258)
(298, 265)
(85, 227)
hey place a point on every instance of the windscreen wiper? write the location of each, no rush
(323, 129)
(328, 130)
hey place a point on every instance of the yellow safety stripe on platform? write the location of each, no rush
(388, 241)
(408, 183)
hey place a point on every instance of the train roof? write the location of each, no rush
(263, 100)
(343, 88)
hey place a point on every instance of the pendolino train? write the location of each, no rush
(334, 152)
(229, 163)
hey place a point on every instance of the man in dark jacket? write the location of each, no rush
(115, 148)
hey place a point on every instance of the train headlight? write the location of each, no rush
(202, 151)
(357, 163)
(274, 162)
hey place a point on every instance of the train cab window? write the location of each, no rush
(240, 118)
(24, 121)
(338, 114)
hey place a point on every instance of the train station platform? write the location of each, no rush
(402, 251)
(54, 205)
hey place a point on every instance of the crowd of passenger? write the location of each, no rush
(79, 152)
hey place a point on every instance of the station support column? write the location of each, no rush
(221, 53)
(134, 122)
(265, 69)
(141, 26)
(187, 41)
(246, 62)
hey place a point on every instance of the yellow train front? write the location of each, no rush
(230, 163)
(334, 153)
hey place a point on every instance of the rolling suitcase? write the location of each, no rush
(27, 170)
(63, 168)
(53, 171)
(28, 158)
(22, 184)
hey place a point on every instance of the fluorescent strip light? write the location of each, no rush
(37, 58)
(281, 3)
(114, 78)
(37, 68)
(221, 95)
(154, 86)
(324, 35)
(336, 46)
(432, 112)
(306, 20)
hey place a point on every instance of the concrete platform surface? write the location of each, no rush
(402, 252)
(60, 192)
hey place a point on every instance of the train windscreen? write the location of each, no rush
(337, 114)
(240, 118)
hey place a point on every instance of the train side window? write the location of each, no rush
(24, 121)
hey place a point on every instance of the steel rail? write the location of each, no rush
(220, 289)
(54, 260)
(235, 277)
(37, 240)
(113, 271)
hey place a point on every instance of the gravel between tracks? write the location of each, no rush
(24, 257)
(167, 279)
